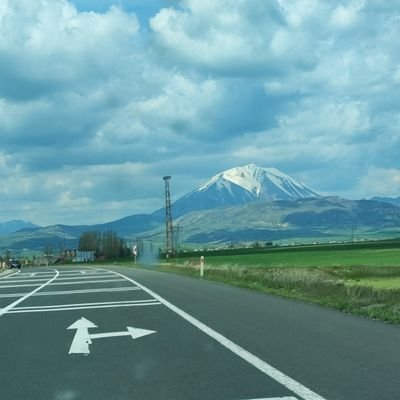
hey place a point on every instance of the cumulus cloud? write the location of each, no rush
(386, 182)
(56, 47)
(231, 37)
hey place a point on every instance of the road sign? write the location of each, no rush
(82, 339)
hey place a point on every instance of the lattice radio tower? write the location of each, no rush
(169, 230)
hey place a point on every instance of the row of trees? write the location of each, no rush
(104, 244)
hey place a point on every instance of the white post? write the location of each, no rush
(134, 251)
(201, 266)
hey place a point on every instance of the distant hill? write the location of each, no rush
(9, 227)
(390, 200)
(324, 218)
(58, 236)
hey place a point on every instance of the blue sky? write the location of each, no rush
(100, 99)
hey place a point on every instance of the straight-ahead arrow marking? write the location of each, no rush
(81, 341)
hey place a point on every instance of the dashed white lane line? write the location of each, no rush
(291, 384)
(16, 302)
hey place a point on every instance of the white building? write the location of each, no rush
(84, 256)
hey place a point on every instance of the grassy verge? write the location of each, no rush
(372, 292)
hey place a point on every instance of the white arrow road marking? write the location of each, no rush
(135, 333)
(82, 339)
(80, 344)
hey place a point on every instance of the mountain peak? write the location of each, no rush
(241, 185)
(267, 183)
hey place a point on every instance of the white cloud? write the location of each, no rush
(56, 45)
(385, 182)
(234, 37)
(91, 102)
(344, 16)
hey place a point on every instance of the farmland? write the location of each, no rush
(359, 278)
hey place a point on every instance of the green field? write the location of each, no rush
(362, 278)
(380, 283)
(303, 258)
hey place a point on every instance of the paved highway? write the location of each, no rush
(70, 333)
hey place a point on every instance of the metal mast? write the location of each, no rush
(169, 230)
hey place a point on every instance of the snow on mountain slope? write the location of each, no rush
(264, 183)
(241, 185)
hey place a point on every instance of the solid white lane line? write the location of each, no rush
(83, 283)
(63, 276)
(7, 276)
(67, 292)
(84, 307)
(64, 283)
(77, 291)
(87, 304)
(23, 285)
(276, 398)
(27, 280)
(3, 296)
(12, 305)
(92, 276)
(280, 377)
(76, 271)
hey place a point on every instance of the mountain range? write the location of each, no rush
(390, 200)
(241, 204)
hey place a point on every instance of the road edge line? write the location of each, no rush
(267, 369)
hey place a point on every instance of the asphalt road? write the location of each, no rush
(74, 332)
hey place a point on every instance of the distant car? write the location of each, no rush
(15, 264)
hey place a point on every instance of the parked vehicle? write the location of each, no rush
(15, 264)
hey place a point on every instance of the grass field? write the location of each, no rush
(360, 279)
(380, 283)
(306, 257)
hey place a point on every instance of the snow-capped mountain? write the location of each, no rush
(241, 185)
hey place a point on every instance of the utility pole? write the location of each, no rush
(177, 231)
(169, 230)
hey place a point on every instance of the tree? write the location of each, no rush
(107, 244)
(89, 241)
